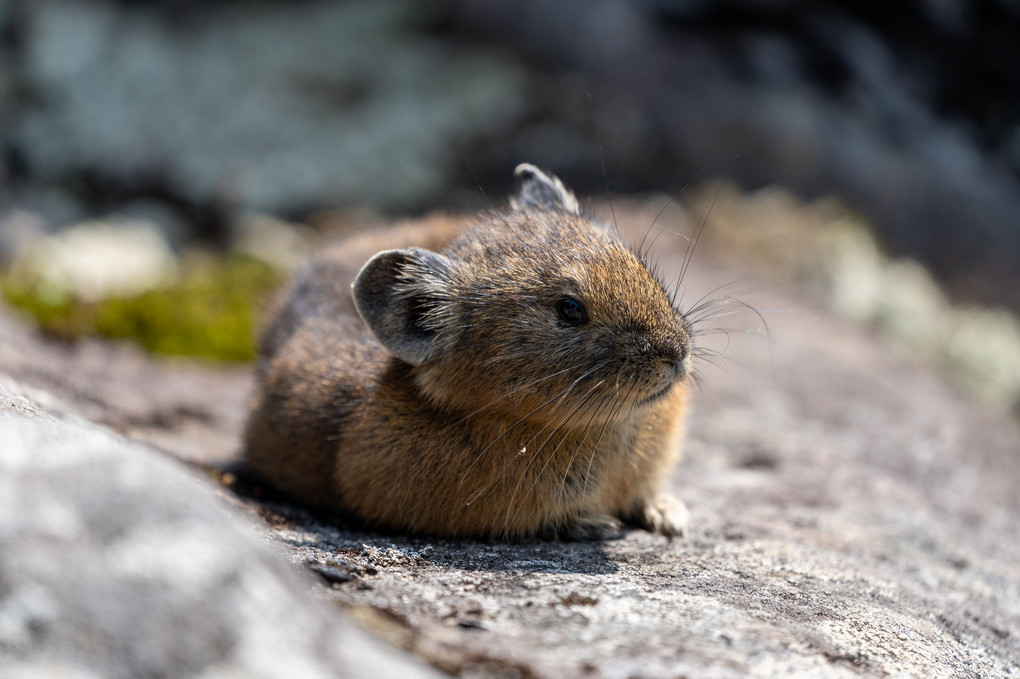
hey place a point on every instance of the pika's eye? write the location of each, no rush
(572, 311)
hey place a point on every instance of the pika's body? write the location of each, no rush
(518, 374)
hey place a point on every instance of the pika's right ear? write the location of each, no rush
(536, 189)
(400, 294)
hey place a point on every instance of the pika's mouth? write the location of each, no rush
(680, 371)
(658, 395)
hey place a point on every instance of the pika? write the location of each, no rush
(517, 374)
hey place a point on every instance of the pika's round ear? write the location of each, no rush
(536, 189)
(400, 294)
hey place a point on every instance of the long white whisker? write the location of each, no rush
(582, 402)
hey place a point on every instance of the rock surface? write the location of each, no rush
(853, 515)
(184, 407)
(117, 562)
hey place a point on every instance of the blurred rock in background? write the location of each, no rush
(191, 113)
(211, 108)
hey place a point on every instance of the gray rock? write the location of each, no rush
(192, 409)
(116, 562)
(272, 107)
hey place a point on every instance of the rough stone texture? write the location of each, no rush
(117, 562)
(852, 516)
(184, 407)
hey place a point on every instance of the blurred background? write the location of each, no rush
(164, 162)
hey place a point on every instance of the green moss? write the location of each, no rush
(210, 310)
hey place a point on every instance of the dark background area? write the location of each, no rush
(192, 113)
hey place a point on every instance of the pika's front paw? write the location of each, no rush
(592, 527)
(665, 515)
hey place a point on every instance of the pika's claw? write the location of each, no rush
(592, 527)
(665, 515)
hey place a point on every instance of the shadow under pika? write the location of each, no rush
(325, 538)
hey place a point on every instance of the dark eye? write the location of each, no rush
(572, 311)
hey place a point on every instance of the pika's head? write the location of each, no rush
(534, 312)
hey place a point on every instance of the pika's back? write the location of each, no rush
(415, 401)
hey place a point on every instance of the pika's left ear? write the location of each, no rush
(402, 297)
(536, 189)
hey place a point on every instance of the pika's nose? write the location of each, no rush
(682, 367)
(672, 348)
(674, 351)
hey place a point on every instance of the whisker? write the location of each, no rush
(724, 308)
(492, 208)
(591, 459)
(511, 357)
(693, 243)
(705, 299)
(607, 398)
(602, 158)
(722, 361)
(558, 397)
(516, 390)
(548, 457)
(641, 252)
(715, 308)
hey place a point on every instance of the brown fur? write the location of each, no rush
(464, 404)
